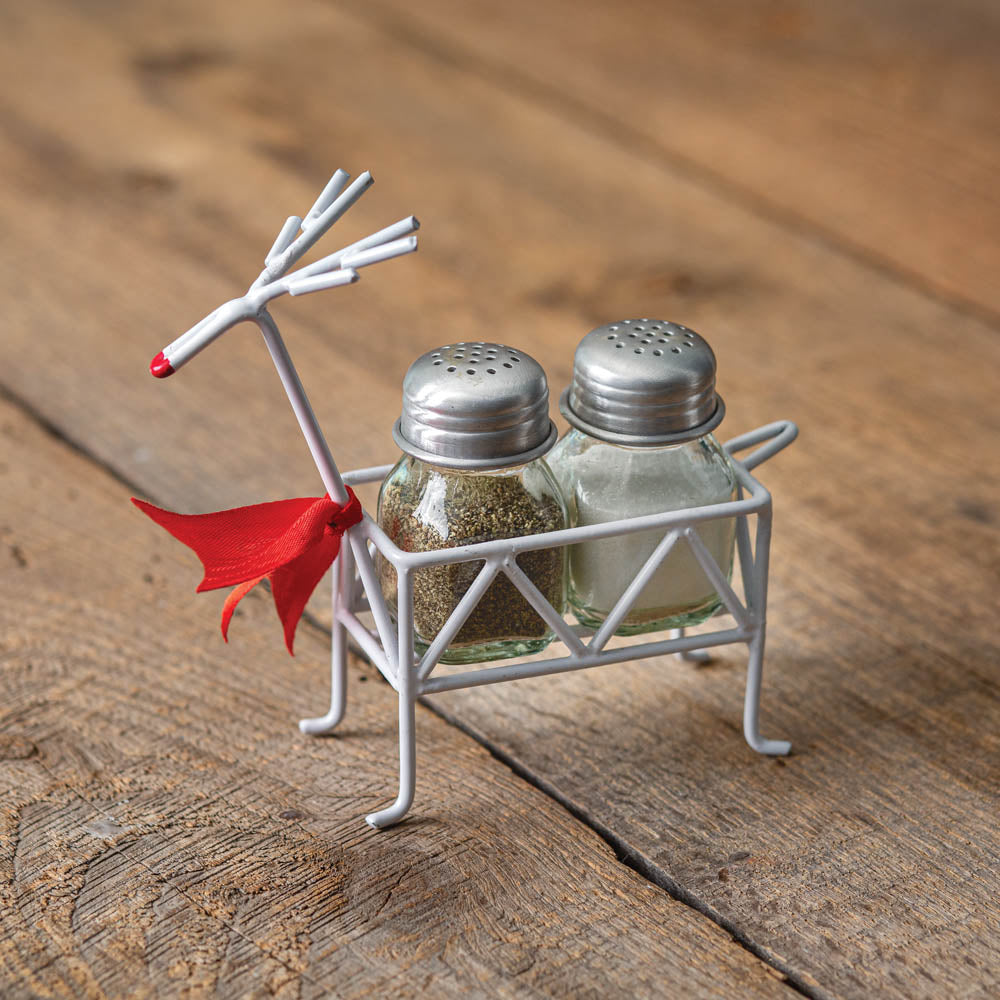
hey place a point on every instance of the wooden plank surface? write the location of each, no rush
(166, 830)
(871, 125)
(863, 865)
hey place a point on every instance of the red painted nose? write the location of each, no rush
(160, 367)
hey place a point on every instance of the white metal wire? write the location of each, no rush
(356, 589)
(680, 527)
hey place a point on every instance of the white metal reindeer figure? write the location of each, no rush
(390, 646)
(297, 236)
(339, 268)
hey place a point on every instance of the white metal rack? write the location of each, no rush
(390, 644)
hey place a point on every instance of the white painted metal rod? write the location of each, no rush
(182, 350)
(624, 604)
(716, 577)
(373, 588)
(372, 474)
(539, 668)
(380, 539)
(284, 252)
(404, 633)
(778, 435)
(333, 202)
(284, 238)
(376, 255)
(326, 197)
(458, 617)
(541, 604)
(369, 644)
(331, 261)
(583, 533)
(194, 341)
(302, 409)
(746, 556)
(204, 321)
(283, 261)
(318, 282)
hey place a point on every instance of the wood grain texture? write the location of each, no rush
(873, 124)
(865, 864)
(165, 830)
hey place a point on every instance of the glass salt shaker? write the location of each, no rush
(474, 427)
(642, 405)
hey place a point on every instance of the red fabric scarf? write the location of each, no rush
(290, 542)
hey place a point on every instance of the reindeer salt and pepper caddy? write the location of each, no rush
(293, 542)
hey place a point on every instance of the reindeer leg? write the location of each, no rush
(343, 581)
(407, 709)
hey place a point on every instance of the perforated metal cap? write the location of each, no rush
(475, 406)
(643, 382)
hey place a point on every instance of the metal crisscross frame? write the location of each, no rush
(391, 645)
(356, 589)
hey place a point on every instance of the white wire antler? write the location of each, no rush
(339, 268)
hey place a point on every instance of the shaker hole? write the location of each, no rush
(438, 362)
(638, 350)
(611, 337)
(619, 346)
(676, 350)
(658, 353)
(514, 357)
(507, 364)
(647, 341)
(470, 371)
(491, 371)
(453, 369)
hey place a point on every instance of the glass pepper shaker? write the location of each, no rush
(642, 405)
(474, 427)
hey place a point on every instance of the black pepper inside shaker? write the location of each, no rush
(474, 427)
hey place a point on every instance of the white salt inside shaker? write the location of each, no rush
(642, 405)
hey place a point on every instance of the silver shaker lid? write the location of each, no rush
(643, 382)
(475, 406)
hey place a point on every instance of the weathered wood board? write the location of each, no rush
(139, 192)
(165, 830)
(871, 125)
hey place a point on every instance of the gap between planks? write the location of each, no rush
(624, 853)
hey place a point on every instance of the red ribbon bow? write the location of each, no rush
(290, 542)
